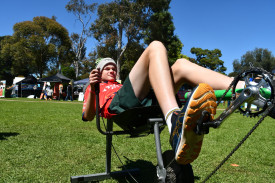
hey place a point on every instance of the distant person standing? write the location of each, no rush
(69, 92)
(43, 91)
(35, 91)
(60, 91)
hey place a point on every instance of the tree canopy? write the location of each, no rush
(5, 62)
(122, 28)
(209, 59)
(125, 24)
(36, 46)
(118, 20)
(259, 57)
(161, 28)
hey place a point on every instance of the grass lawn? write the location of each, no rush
(46, 141)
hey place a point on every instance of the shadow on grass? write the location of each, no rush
(146, 174)
(145, 171)
(5, 135)
(140, 171)
(197, 178)
(137, 171)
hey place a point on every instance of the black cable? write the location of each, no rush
(236, 148)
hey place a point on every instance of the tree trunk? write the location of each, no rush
(119, 46)
(76, 67)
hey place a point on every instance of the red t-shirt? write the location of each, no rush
(106, 95)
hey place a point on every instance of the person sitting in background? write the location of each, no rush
(49, 93)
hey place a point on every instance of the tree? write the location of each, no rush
(83, 13)
(162, 28)
(117, 20)
(209, 59)
(5, 61)
(259, 57)
(130, 57)
(36, 46)
(85, 68)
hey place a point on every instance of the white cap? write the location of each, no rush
(104, 61)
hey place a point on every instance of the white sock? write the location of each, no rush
(168, 117)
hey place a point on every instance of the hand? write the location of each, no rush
(94, 77)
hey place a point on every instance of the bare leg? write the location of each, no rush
(185, 71)
(152, 71)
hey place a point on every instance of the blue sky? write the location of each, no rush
(234, 26)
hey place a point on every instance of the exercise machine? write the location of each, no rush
(136, 122)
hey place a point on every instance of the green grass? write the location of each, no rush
(46, 141)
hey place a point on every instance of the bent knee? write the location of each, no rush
(182, 61)
(182, 67)
(181, 64)
(156, 45)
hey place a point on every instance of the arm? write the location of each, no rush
(90, 109)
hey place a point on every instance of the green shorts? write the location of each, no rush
(125, 99)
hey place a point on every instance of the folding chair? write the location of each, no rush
(135, 122)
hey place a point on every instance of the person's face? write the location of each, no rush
(109, 73)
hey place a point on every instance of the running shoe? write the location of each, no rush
(184, 141)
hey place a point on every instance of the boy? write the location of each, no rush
(152, 71)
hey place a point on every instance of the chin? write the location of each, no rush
(109, 79)
(112, 78)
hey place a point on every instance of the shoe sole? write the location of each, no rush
(203, 98)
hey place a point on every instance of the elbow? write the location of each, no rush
(86, 117)
(91, 118)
